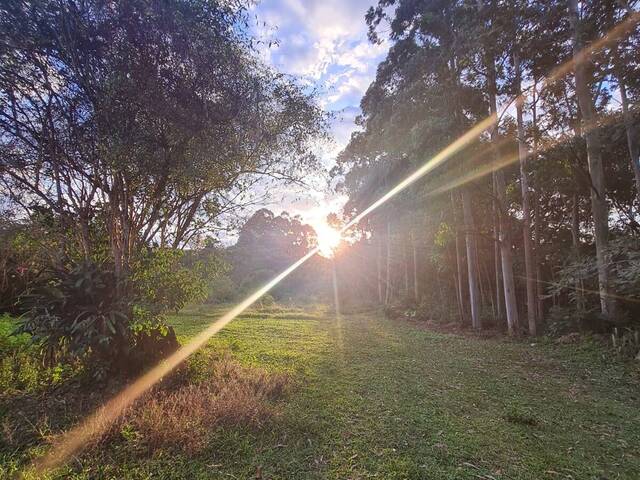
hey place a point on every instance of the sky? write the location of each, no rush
(323, 43)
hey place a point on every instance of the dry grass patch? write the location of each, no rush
(180, 414)
(185, 415)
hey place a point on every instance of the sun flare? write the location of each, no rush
(328, 239)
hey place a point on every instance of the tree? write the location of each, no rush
(594, 155)
(146, 118)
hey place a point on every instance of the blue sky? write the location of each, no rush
(324, 43)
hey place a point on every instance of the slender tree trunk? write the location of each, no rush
(632, 136)
(407, 293)
(575, 240)
(599, 205)
(416, 289)
(536, 209)
(510, 302)
(539, 279)
(526, 209)
(496, 257)
(472, 273)
(575, 222)
(387, 297)
(460, 290)
(379, 264)
(506, 256)
(336, 291)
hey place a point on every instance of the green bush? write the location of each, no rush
(21, 366)
(82, 311)
(163, 284)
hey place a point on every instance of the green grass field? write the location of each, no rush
(376, 398)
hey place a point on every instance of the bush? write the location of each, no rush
(26, 253)
(80, 311)
(86, 313)
(21, 367)
(163, 284)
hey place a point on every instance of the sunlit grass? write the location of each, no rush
(402, 402)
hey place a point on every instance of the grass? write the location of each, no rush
(376, 398)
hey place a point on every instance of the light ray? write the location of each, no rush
(620, 30)
(73, 440)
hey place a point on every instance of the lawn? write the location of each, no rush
(386, 399)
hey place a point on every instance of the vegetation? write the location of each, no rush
(370, 396)
(137, 137)
(127, 131)
(536, 213)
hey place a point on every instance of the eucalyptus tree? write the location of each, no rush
(419, 102)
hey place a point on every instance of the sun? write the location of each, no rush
(328, 239)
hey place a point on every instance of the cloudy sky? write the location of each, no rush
(324, 43)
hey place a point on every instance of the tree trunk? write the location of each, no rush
(632, 138)
(379, 264)
(575, 241)
(526, 209)
(599, 205)
(496, 256)
(506, 255)
(416, 290)
(510, 302)
(407, 294)
(460, 290)
(387, 297)
(536, 241)
(536, 209)
(469, 226)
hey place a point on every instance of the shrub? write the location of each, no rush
(183, 412)
(86, 313)
(81, 311)
(163, 284)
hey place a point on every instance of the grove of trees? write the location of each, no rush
(535, 222)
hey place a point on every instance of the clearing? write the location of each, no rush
(377, 398)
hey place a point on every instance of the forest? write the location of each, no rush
(532, 224)
(469, 309)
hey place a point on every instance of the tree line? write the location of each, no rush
(533, 221)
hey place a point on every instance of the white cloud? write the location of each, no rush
(324, 42)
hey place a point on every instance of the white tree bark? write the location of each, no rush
(599, 205)
(474, 294)
(526, 209)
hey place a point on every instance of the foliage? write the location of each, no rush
(267, 245)
(577, 280)
(450, 66)
(167, 100)
(26, 253)
(222, 289)
(162, 283)
(21, 369)
(80, 312)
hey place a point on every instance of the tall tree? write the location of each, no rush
(599, 205)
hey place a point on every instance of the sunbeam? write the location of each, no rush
(71, 442)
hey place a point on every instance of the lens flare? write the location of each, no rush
(73, 440)
(328, 239)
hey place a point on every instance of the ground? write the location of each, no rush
(388, 399)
